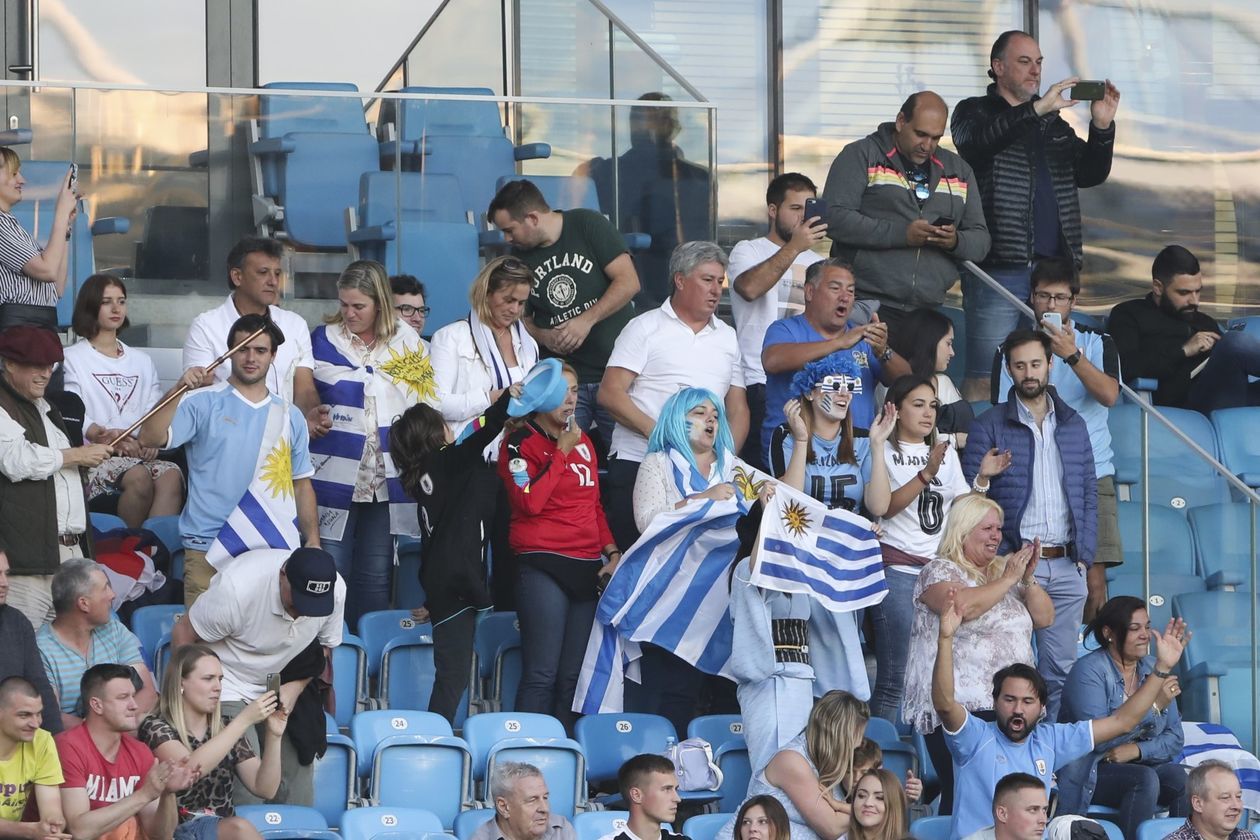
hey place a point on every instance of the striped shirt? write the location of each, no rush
(17, 248)
(1046, 516)
(111, 643)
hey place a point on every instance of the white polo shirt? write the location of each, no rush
(208, 335)
(752, 317)
(667, 355)
(243, 620)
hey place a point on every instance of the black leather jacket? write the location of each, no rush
(997, 139)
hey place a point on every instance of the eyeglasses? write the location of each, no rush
(919, 184)
(407, 310)
(1046, 297)
(840, 382)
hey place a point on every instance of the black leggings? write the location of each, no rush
(452, 662)
(943, 762)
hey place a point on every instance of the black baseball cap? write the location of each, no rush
(313, 581)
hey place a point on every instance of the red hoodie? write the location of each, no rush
(558, 509)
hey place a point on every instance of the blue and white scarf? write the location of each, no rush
(399, 382)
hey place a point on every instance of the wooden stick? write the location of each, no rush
(178, 392)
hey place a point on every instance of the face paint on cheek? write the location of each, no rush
(695, 432)
(825, 403)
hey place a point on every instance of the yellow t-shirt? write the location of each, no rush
(31, 763)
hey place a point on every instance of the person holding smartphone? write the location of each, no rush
(904, 211)
(565, 550)
(32, 277)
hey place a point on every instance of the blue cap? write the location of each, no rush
(543, 389)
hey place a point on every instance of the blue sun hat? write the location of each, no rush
(543, 389)
(838, 366)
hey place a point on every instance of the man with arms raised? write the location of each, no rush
(1216, 805)
(1018, 742)
(28, 765)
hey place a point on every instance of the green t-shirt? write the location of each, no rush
(569, 278)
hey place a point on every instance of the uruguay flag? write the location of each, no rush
(830, 555)
(1212, 740)
(266, 515)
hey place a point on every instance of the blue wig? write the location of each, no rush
(839, 363)
(670, 431)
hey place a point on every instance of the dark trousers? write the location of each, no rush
(554, 631)
(619, 501)
(502, 558)
(671, 688)
(753, 452)
(943, 761)
(452, 662)
(1137, 789)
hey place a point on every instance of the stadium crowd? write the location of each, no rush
(296, 458)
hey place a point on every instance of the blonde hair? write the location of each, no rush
(498, 273)
(964, 517)
(370, 278)
(833, 733)
(893, 826)
(171, 704)
(10, 159)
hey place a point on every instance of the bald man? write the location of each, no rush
(904, 212)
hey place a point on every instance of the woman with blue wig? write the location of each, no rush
(690, 457)
(816, 452)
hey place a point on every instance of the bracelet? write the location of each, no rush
(927, 482)
(1163, 675)
(975, 485)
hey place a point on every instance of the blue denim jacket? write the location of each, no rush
(1094, 690)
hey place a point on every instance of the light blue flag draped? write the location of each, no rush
(266, 515)
(1212, 740)
(671, 589)
(831, 555)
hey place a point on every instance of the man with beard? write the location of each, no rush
(1049, 494)
(1017, 742)
(765, 274)
(1164, 336)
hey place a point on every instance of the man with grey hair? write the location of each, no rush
(682, 344)
(1216, 805)
(821, 330)
(522, 810)
(86, 633)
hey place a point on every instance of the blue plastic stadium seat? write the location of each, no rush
(592, 825)
(562, 192)
(166, 529)
(478, 162)
(1214, 609)
(408, 593)
(336, 779)
(418, 118)
(151, 623)
(1222, 536)
(105, 522)
(412, 757)
(508, 668)
(409, 823)
(291, 114)
(1172, 544)
(716, 729)
(882, 731)
(611, 738)
(469, 821)
(386, 197)
(533, 738)
(1179, 478)
(930, 828)
(732, 759)
(1238, 442)
(1113, 830)
(494, 630)
(378, 627)
(281, 822)
(1158, 829)
(900, 759)
(705, 826)
(1163, 589)
(349, 665)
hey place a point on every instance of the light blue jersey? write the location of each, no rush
(828, 479)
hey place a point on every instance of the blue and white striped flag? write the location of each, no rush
(1212, 740)
(830, 555)
(266, 515)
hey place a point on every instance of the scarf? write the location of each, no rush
(488, 350)
(402, 381)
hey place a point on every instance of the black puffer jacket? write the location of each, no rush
(997, 139)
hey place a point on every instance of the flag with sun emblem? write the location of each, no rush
(831, 555)
(266, 515)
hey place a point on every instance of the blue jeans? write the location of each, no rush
(1064, 581)
(989, 317)
(201, 827)
(588, 411)
(1224, 383)
(1136, 790)
(554, 630)
(892, 618)
(365, 559)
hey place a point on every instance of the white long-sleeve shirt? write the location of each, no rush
(21, 460)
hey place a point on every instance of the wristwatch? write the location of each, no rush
(886, 355)
(1071, 361)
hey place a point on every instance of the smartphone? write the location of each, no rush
(815, 207)
(74, 176)
(1088, 90)
(942, 221)
(273, 684)
(571, 423)
(1054, 319)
